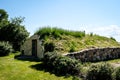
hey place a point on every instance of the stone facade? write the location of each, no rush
(26, 48)
(96, 54)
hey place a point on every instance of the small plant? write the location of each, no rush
(113, 38)
(101, 71)
(91, 34)
(5, 48)
(72, 49)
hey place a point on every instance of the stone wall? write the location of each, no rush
(96, 54)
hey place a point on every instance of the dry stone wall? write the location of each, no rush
(96, 54)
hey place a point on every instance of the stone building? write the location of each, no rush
(32, 47)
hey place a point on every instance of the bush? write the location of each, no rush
(49, 47)
(5, 48)
(67, 65)
(117, 74)
(49, 57)
(101, 71)
(61, 64)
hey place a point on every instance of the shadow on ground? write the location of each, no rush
(27, 58)
(43, 67)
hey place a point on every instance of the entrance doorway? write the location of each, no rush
(34, 47)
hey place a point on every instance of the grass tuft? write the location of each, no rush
(58, 32)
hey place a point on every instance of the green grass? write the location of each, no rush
(12, 69)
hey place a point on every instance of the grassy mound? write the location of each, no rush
(65, 41)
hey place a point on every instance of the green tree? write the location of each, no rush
(14, 32)
(3, 15)
(3, 18)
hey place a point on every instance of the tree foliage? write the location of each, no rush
(3, 15)
(3, 18)
(13, 31)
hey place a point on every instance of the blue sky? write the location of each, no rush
(98, 16)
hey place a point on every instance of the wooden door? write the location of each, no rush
(34, 48)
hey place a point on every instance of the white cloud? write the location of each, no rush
(108, 31)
